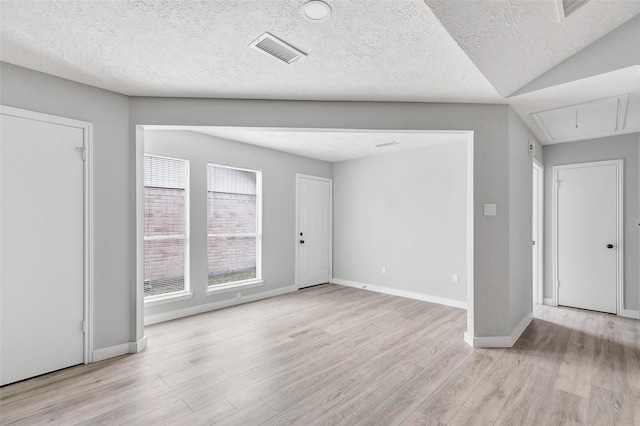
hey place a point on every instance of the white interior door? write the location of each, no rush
(42, 248)
(314, 231)
(588, 202)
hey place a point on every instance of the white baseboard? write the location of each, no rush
(499, 341)
(402, 293)
(547, 301)
(111, 351)
(121, 349)
(198, 309)
(630, 313)
(139, 346)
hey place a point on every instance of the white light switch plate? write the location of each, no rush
(490, 210)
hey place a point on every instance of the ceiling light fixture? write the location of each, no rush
(381, 145)
(316, 10)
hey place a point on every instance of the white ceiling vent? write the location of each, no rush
(276, 48)
(599, 118)
(567, 7)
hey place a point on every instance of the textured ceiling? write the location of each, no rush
(617, 50)
(367, 50)
(332, 146)
(471, 51)
(513, 42)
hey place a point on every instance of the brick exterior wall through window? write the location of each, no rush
(164, 261)
(231, 214)
(231, 224)
(165, 219)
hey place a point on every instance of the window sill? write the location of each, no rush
(167, 298)
(222, 288)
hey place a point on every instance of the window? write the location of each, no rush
(166, 249)
(233, 222)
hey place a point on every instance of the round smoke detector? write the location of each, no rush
(316, 10)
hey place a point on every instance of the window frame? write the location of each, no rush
(258, 280)
(186, 293)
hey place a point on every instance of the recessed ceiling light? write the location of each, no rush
(316, 10)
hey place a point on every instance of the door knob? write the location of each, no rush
(609, 246)
(301, 241)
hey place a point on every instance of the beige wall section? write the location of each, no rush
(626, 147)
(278, 213)
(113, 255)
(406, 211)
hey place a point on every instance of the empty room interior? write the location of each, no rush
(262, 212)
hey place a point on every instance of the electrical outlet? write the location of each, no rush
(454, 279)
(238, 295)
(383, 269)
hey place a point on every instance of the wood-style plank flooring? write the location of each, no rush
(337, 355)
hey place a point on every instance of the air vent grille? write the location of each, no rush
(571, 6)
(276, 48)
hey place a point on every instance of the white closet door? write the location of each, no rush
(42, 248)
(587, 229)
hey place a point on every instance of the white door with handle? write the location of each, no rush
(42, 243)
(588, 230)
(313, 237)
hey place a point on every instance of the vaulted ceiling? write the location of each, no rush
(517, 52)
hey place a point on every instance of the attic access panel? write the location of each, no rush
(583, 121)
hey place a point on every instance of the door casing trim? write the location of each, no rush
(540, 233)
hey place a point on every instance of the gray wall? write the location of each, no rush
(278, 215)
(406, 211)
(520, 218)
(626, 147)
(539, 152)
(115, 117)
(490, 313)
(113, 254)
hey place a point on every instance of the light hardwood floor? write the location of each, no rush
(337, 355)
